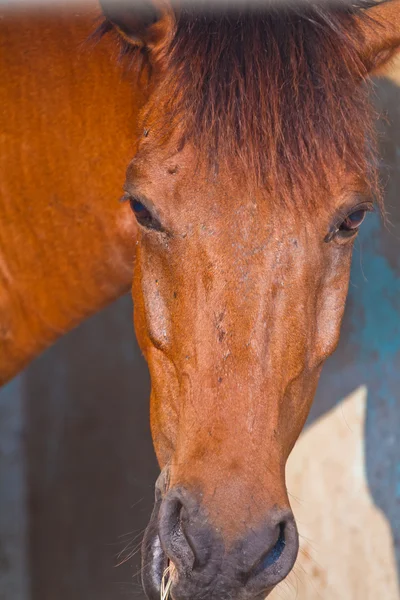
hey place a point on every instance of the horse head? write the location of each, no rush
(253, 173)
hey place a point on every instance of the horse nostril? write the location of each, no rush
(172, 518)
(272, 555)
(278, 558)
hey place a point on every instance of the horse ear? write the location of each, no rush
(381, 32)
(142, 23)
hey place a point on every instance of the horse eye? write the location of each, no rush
(348, 227)
(143, 215)
(352, 222)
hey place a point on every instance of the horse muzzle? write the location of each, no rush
(180, 534)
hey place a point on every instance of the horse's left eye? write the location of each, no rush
(143, 215)
(353, 221)
(348, 226)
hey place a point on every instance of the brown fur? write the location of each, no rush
(67, 124)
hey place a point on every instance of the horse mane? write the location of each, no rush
(278, 91)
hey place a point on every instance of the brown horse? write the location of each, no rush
(252, 174)
(254, 171)
(67, 124)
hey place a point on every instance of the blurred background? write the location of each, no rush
(77, 468)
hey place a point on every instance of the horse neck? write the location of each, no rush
(65, 251)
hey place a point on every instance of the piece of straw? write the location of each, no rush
(166, 581)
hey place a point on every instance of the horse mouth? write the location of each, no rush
(154, 559)
(154, 564)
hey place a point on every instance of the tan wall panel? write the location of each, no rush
(346, 542)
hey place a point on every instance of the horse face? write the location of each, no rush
(238, 301)
(240, 281)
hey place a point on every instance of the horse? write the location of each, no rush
(254, 172)
(65, 250)
(254, 168)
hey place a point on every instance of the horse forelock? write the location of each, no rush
(278, 91)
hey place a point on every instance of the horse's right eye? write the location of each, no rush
(138, 208)
(143, 215)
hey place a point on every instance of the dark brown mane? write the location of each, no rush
(276, 91)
